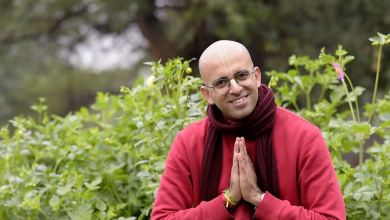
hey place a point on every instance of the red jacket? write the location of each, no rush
(308, 184)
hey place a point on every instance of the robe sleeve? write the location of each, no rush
(175, 196)
(317, 181)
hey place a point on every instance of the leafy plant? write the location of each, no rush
(103, 163)
(365, 187)
(106, 162)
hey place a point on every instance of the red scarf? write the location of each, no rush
(259, 126)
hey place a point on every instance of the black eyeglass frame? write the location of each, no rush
(229, 79)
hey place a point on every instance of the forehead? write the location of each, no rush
(224, 63)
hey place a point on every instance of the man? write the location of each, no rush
(248, 159)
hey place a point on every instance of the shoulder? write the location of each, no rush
(196, 129)
(291, 126)
(192, 136)
(189, 143)
(288, 119)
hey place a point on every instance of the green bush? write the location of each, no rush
(106, 163)
(100, 164)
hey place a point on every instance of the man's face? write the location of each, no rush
(240, 101)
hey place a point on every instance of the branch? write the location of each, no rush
(53, 28)
(151, 28)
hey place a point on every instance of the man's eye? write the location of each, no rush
(220, 83)
(242, 76)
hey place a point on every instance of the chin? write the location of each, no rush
(238, 117)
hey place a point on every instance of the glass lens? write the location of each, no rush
(243, 78)
(221, 86)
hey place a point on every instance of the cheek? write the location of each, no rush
(220, 102)
(211, 99)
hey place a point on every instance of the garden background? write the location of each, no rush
(74, 144)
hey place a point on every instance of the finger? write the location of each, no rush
(242, 148)
(234, 188)
(250, 163)
(236, 146)
(243, 152)
(243, 142)
(241, 165)
(235, 166)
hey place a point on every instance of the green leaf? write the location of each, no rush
(375, 150)
(359, 177)
(159, 165)
(292, 60)
(326, 58)
(382, 37)
(340, 51)
(97, 181)
(84, 111)
(306, 79)
(385, 124)
(85, 207)
(67, 187)
(62, 190)
(367, 196)
(384, 116)
(298, 81)
(361, 129)
(347, 189)
(358, 91)
(374, 39)
(336, 94)
(347, 59)
(101, 205)
(91, 187)
(302, 60)
(143, 173)
(364, 188)
(139, 82)
(37, 201)
(55, 202)
(357, 196)
(111, 212)
(122, 103)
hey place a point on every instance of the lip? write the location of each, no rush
(240, 103)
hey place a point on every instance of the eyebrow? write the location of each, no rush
(240, 71)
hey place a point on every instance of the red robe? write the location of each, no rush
(308, 184)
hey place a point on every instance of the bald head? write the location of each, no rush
(222, 54)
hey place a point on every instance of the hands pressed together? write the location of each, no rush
(243, 180)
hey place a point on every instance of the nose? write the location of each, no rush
(235, 88)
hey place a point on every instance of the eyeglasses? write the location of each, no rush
(222, 86)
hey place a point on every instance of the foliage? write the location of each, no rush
(106, 163)
(99, 164)
(36, 36)
(366, 188)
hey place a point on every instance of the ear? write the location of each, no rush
(257, 74)
(206, 94)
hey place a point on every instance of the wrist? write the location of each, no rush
(229, 198)
(258, 198)
(230, 207)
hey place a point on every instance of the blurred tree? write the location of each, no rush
(35, 33)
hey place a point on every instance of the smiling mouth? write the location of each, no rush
(239, 100)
